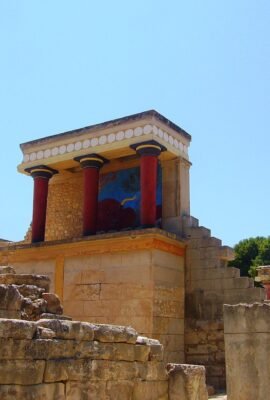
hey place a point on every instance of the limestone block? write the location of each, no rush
(125, 291)
(249, 295)
(10, 314)
(17, 329)
(21, 372)
(171, 342)
(187, 382)
(10, 298)
(150, 390)
(140, 324)
(92, 277)
(121, 388)
(51, 391)
(41, 281)
(7, 269)
(114, 370)
(164, 275)
(31, 291)
(55, 316)
(74, 307)
(156, 349)
(227, 253)
(163, 259)
(141, 353)
(68, 369)
(163, 325)
(141, 274)
(69, 329)
(83, 291)
(153, 371)
(177, 357)
(53, 303)
(168, 308)
(114, 333)
(169, 293)
(31, 310)
(90, 390)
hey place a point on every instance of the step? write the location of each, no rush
(198, 232)
(227, 253)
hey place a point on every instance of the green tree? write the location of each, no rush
(250, 253)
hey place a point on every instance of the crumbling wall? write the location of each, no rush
(247, 338)
(54, 358)
(209, 284)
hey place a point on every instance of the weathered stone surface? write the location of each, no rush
(91, 390)
(17, 329)
(115, 333)
(55, 316)
(10, 298)
(31, 291)
(53, 304)
(247, 348)
(187, 382)
(41, 281)
(45, 333)
(6, 269)
(31, 310)
(156, 349)
(122, 388)
(51, 391)
(21, 372)
(65, 329)
(151, 390)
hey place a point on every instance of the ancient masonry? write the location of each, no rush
(112, 229)
(54, 358)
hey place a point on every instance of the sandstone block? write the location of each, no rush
(69, 329)
(21, 372)
(17, 329)
(51, 391)
(142, 353)
(114, 370)
(187, 382)
(68, 369)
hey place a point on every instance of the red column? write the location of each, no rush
(91, 165)
(149, 152)
(41, 175)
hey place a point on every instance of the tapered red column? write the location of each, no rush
(41, 175)
(91, 165)
(149, 152)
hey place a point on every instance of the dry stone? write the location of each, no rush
(6, 269)
(114, 333)
(187, 382)
(21, 372)
(51, 391)
(10, 298)
(53, 303)
(17, 329)
(41, 281)
(65, 329)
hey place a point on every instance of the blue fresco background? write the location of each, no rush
(119, 199)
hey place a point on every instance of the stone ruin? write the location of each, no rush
(44, 355)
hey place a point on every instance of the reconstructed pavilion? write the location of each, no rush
(112, 228)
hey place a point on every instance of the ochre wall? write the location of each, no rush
(134, 279)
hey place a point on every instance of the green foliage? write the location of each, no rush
(250, 253)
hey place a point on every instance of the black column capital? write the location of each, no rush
(42, 171)
(91, 161)
(150, 147)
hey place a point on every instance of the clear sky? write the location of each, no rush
(203, 64)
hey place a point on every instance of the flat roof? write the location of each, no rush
(113, 123)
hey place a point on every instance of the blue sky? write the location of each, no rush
(203, 64)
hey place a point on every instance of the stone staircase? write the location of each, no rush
(210, 284)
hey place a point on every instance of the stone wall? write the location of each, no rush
(209, 284)
(247, 338)
(112, 279)
(45, 355)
